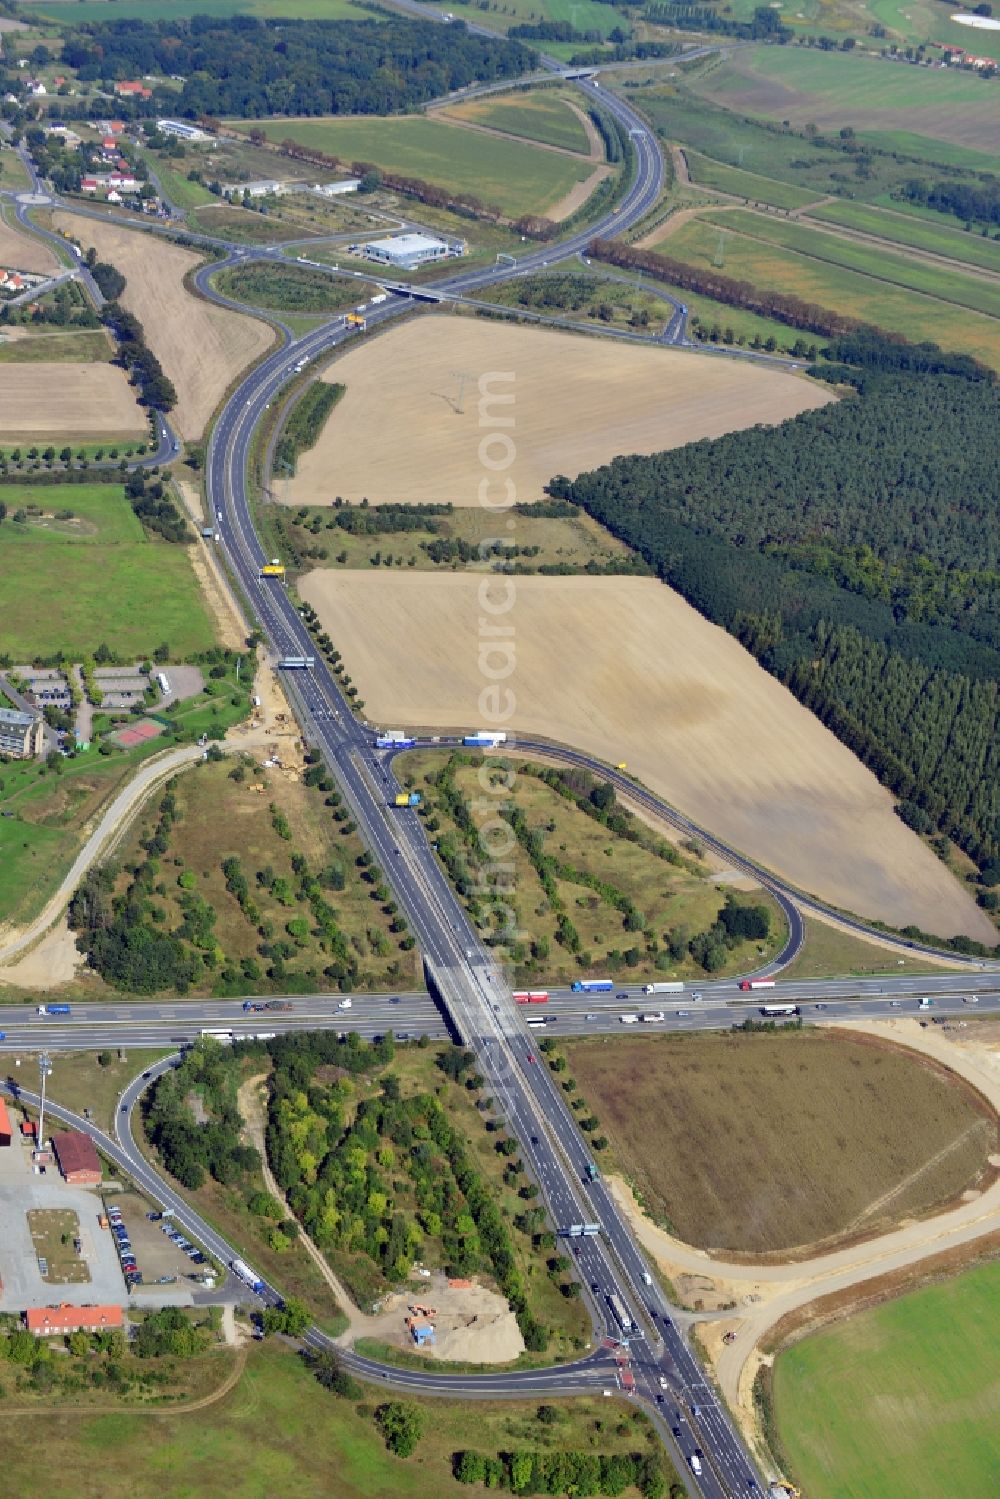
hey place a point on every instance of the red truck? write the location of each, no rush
(756, 983)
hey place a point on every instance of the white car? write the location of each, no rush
(345, 1004)
(696, 1465)
(971, 999)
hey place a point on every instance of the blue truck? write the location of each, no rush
(593, 986)
(53, 1010)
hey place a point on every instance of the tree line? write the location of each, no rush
(249, 68)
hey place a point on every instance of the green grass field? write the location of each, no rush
(870, 260)
(69, 585)
(86, 346)
(68, 513)
(158, 10)
(182, 193)
(901, 1402)
(903, 229)
(514, 175)
(541, 116)
(726, 135)
(278, 1432)
(834, 89)
(709, 173)
(878, 302)
(584, 15)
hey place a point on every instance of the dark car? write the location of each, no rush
(123, 1109)
(394, 1001)
(621, 996)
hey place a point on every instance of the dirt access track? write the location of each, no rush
(626, 670)
(202, 347)
(422, 400)
(67, 402)
(766, 1294)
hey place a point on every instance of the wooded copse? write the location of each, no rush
(861, 565)
(247, 67)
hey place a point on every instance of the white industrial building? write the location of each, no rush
(265, 188)
(407, 252)
(182, 130)
(337, 189)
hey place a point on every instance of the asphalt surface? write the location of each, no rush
(462, 976)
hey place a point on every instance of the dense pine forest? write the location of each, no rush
(856, 551)
(245, 67)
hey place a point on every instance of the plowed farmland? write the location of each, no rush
(201, 347)
(67, 401)
(426, 397)
(19, 251)
(624, 668)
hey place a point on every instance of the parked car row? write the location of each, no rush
(191, 1250)
(123, 1244)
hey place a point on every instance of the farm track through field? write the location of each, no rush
(444, 113)
(871, 275)
(916, 252)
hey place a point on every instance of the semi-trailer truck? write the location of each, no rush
(484, 738)
(619, 1313)
(247, 1276)
(652, 1017)
(53, 1010)
(379, 297)
(592, 986)
(394, 739)
(662, 988)
(756, 984)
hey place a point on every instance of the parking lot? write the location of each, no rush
(22, 1284)
(156, 1255)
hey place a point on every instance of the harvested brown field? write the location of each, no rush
(22, 252)
(625, 669)
(201, 347)
(67, 401)
(577, 402)
(764, 1143)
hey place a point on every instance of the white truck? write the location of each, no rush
(382, 296)
(629, 1019)
(663, 988)
(652, 1017)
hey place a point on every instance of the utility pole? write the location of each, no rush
(461, 376)
(44, 1068)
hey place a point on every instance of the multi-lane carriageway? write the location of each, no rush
(410, 1015)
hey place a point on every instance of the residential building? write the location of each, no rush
(46, 1321)
(134, 89)
(78, 1159)
(21, 734)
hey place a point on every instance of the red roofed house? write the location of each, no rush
(89, 185)
(78, 1159)
(43, 1320)
(134, 88)
(6, 1133)
(109, 144)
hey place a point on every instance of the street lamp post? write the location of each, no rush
(44, 1068)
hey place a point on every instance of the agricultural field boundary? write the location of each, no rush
(767, 1294)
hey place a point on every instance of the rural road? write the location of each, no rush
(112, 823)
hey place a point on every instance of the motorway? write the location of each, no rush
(410, 1015)
(463, 975)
